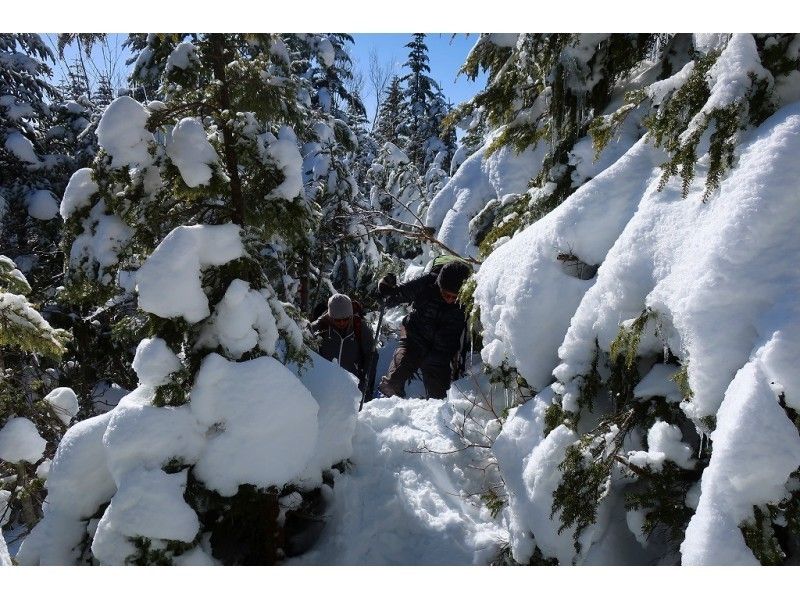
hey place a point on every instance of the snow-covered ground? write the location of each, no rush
(411, 495)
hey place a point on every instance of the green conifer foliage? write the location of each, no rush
(342, 252)
(243, 91)
(29, 348)
(608, 419)
(424, 108)
(546, 89)
(398, 197)
(388, 124)
(773, 532)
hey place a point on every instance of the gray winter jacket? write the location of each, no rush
(345, 347)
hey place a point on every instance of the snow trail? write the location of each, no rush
(406, 499)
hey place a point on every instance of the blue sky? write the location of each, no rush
(446, 54)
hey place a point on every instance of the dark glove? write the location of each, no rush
(387, 285)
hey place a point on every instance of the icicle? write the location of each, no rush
(471, 351)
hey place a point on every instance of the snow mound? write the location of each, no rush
(64, 402)
(79, 482)
(336, 392)
(190, 151)
(396, 506)
(80, 188)
(123, 134)
(21, 441)
(257, 404)
(179, 260)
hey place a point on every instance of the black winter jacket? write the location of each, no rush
(433, 322)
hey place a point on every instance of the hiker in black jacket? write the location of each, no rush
(430, 337)
(345, 337)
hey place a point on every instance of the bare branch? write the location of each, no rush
(379, 74)
(418, 231)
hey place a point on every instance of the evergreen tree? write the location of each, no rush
(342, 252)
(565, 91)
(398, 194)
(217, 159)
(30, 178)
(34, 143)
(425, 108)
(32, 418)
(388, 124)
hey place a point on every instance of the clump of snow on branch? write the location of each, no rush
(64, 402)
(123, 134)
(42, 205)
(190, 151)
(284, 153)
(240, 322)
(277, 422)
(21, 441)
(180, 259)
(154, 362)
(182, 57)
(79, 190)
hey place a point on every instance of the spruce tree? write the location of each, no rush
(583, 89)
(217, 159)
(32, 418)
(398, 195)
(425, 108)
(390, 116)
(342, 253)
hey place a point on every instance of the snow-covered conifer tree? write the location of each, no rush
(613, 287)
(198, 201)
(398, 192)
(424, 107)
(342, 254)
(32, 419)
(388, 124)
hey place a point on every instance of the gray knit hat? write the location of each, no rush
(340, 307)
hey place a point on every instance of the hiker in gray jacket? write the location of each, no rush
(345, 338)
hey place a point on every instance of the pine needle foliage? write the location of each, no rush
(661, 495)
(759, 536)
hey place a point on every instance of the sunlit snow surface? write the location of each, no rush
(407, 498)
